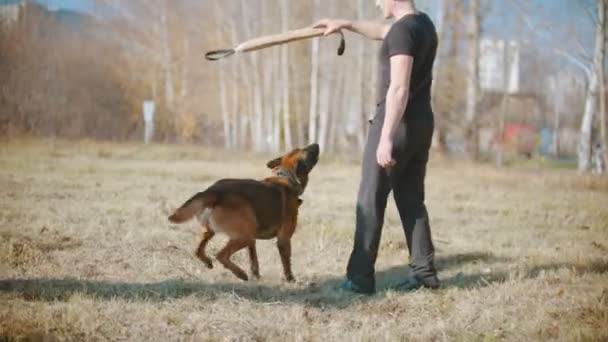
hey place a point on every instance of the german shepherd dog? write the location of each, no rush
(247, 209)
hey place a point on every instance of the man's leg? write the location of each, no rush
(371, 204)
(414, 217)
(408, 191)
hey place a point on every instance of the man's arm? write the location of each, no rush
(370, 29)
(396, 102)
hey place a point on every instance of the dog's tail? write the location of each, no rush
(193, 206)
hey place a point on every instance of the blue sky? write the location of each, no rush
(77, 5)
(547, 23)
(548, 20)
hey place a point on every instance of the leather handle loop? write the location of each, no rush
(218, 54)
(342, 46)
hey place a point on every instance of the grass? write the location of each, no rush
(86, 253)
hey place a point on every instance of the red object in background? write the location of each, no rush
(520, 138)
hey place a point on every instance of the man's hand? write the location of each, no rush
(384, 153)
(331, 25)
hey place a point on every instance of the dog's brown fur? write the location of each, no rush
(246, 210)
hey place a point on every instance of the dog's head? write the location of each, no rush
(298, 163)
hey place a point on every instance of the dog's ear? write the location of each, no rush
(274, 163)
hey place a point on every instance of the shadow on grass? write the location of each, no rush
(321, 294)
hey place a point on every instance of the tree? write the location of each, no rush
(439, 139)
(602, 78)
(285, 80)
(472, 134)
(585, 141)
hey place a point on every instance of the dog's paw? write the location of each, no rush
(205, 260)
(290, 279)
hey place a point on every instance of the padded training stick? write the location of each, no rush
(272, 40)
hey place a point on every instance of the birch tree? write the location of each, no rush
(600, 66)
(314, 82)
(584, 148)
(439, 137)
(472, 136)
(285, 72)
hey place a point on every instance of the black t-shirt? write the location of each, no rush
(413, 35)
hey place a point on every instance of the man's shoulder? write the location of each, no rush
(410, 23)
(401, 27)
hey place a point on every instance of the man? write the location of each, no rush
(398, 143)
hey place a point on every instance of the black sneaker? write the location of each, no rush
(414, 283)
(349, 286)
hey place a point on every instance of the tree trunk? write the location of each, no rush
(341, 139)
(235, 142)
(222, 88)
(252, 127)
(269, 71)
(439, 141)
(235, 120)
(355, 120)
(327, 90)
(324, 108)
(185, 71)
(285, 73)
(556, 119)
(299, 118)
(584, 148)
(278, 103)
(602, 83)
(472, 134)
(224, 105)
(314, 85)
(258, 139)
(505, 105)
(169, 90)
(336, 126)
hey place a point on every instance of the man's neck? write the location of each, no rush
(404, 8)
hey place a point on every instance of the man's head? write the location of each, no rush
(390, 8)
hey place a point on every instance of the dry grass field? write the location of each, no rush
(87, 253)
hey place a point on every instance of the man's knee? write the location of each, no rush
(411, 205)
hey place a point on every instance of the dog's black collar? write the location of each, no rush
(293, 180)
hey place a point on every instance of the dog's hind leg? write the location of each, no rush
(253, 259)
(200, 251)
(224, 255)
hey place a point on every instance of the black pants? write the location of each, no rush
(411, 146)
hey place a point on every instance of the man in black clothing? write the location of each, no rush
(398, 143)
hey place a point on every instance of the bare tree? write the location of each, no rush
(584, 148)
(314, 84)
(236, 119)
(507, 63)
(601, 76)
(440, 127)
(472, 134)
(285, 72)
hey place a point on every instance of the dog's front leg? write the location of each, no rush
(284, 245)
(253, 259)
